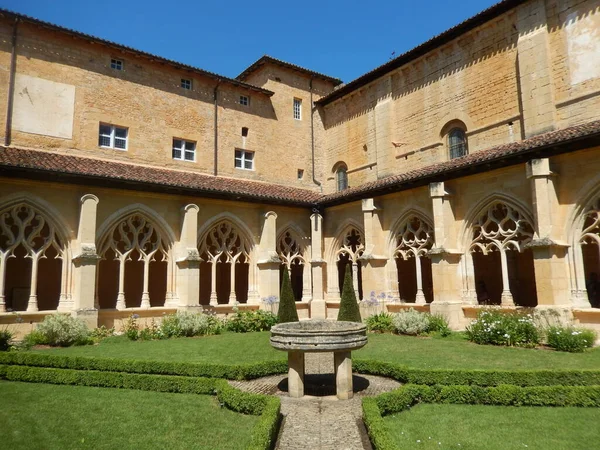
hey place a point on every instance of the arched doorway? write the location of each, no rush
(414, 240)
(225, 268)
(134, 265)
(503, 268)
(31, 260)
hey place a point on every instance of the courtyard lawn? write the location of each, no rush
(439, 353)
(494, 427)
(227, 348)
(65, 417)
(456, 352)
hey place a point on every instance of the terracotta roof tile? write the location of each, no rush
(26, 162)
(445, 169)
(191, 182)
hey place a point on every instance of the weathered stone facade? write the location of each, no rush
(512, 220)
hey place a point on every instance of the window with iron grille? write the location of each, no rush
(186, 84)
(297, 109)
(116, 64)
(342, 178)
(457, 143)
(244, 100)
(112, 136)
(184, 150)
(244, 160)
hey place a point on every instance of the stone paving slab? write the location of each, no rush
(319, 420)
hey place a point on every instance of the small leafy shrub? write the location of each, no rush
(438, 324)
(60, 330)
(569, 339)
(248, 321)
(381, 323)
(151, 332)
(187, 324)
(411, 322)
(494, 327)
(131, 329)
(5, 339)
(97, 334)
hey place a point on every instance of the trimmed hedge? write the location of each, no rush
(375, 408)
(523, 378)
(263, 435)
(229, 372)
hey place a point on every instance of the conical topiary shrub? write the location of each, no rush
(348, 307)
(287, 303)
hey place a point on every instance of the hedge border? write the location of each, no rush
(264, 433)
(398, 372)
(376, 408)
(229, 372)
(478, 377)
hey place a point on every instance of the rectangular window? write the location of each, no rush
(244, 100)
(297, 109)
(186, 84)
(244, 160)
(184, 150)
(112, 136)
(116, 64)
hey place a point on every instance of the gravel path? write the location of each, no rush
(319, 420)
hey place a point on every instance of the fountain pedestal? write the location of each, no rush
(298, 338)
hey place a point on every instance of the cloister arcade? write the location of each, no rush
(137, 258)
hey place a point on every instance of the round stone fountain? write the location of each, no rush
(341, 338)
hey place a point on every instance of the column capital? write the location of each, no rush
(438, 190)
(544, 243)
(368, 205)
(539, 168)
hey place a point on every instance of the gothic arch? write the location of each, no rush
(228, 269)
(136, 268)
(34, 252)
(410, 239)
(346, 248)
(293, 248)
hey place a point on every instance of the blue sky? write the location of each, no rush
(341, 39)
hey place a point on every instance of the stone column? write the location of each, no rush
(296, 374)
(447, 276)
(549, 252)
(85, 262)
(269, 261)
(342, 361)
(188, 260)
(506, 298)
(374, 257)
(420, 298)
(318, 307)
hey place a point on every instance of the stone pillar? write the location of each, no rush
(85, 262)
(342, 361)
(318, 306)
(506, 298)
(269, 261)
(373, 259)
(534, 67)
(447, 277)
(296, 374)
(549, 252)
(188, 260)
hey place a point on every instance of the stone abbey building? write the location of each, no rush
(464, 172)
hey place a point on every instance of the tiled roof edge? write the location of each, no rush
(24, 18)
(555, 142)
(269, 59)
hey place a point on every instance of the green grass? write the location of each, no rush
(454, 352)
(45, 416)
(457, 353)
(227, 348)
(495, 427)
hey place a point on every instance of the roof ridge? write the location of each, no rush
(122, 47)
(266, 58)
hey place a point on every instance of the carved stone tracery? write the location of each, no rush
(352, 245)
(290, 252)
(414, 239)
(501, 227)
(591, 225)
